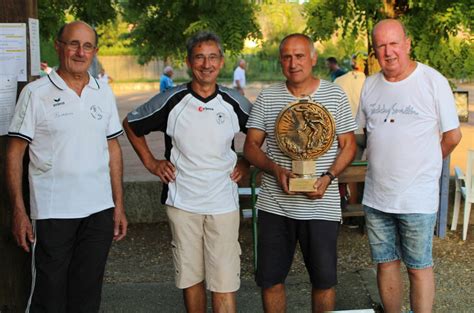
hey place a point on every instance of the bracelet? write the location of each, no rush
(331, 176)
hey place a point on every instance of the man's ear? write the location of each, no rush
(56, 46)
(408, 43)
(188, 63)
(314, 60)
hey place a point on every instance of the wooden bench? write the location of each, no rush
(354, 173)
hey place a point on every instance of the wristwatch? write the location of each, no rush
(331, 176)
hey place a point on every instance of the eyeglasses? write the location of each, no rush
(74, 45)
(211, 58)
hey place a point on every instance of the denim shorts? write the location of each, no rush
(408, 237)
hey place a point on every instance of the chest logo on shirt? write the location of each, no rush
(202, 109)
(220, 118)
(389, 111)
(57, 102)
(96, 112)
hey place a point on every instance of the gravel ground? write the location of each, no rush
(145, 256)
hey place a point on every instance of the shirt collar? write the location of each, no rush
(57, 81)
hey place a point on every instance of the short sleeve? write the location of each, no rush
(257, 114)
(24, 119)
(115, 127)
(344, 120)
(361, 117)
(448, 116)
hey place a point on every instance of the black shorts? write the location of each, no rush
(277, 238)
(69, 258)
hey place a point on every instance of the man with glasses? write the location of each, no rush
(199, 175)
(70, 123)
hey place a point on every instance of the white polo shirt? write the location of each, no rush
(69, 172)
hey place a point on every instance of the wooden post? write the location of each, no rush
(442, 220)
(15, 264)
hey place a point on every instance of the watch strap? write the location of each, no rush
(331, 176)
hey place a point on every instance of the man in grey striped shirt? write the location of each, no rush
(285, 218)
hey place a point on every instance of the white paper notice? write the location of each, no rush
(8, 85)
(13, 50)
(33, 25)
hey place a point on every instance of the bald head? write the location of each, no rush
(75, 24)
(392, 49)
(394, 24)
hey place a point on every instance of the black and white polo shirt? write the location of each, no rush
(199, 138)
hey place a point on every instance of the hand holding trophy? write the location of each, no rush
(304, 131)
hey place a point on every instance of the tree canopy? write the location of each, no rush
(441, 30)
(161, 27)
(52, 13)
(278, 19)
(433, 26)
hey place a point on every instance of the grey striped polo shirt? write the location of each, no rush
(263, 116)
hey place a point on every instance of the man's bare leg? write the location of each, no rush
(323, 300)
(422, 289)
(274, 299)
(224, 302)
(389, 281)
(195, 298)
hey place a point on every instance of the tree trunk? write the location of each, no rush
(15, 273)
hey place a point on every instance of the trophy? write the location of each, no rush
(304, 131)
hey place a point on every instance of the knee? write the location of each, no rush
(278, 288)
(420, 273)
(389, 266)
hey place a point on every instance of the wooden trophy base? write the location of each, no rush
(302, 184)
(305, 169)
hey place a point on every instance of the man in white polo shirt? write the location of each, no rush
(70, 123)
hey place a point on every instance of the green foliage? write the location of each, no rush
(278, 19)
(52, 13)
(161, 27)
(114, 38)
(48, 53)
(351, 17)
(432, 24)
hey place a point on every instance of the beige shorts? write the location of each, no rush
(205, 247)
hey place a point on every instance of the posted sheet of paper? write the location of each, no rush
(13, 50)
(8, 85)
(33, 25)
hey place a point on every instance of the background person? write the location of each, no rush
(45, 69)
(334, 70)
(239, 77)
(410, 117)
(104, 77)
(352, 83)
(285, 218)
(166, 81)
(70, 124)
(200, 174)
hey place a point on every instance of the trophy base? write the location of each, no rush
(302, 184)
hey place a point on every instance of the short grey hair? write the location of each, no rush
(168, 69)
(305, 37)
(200, 37)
